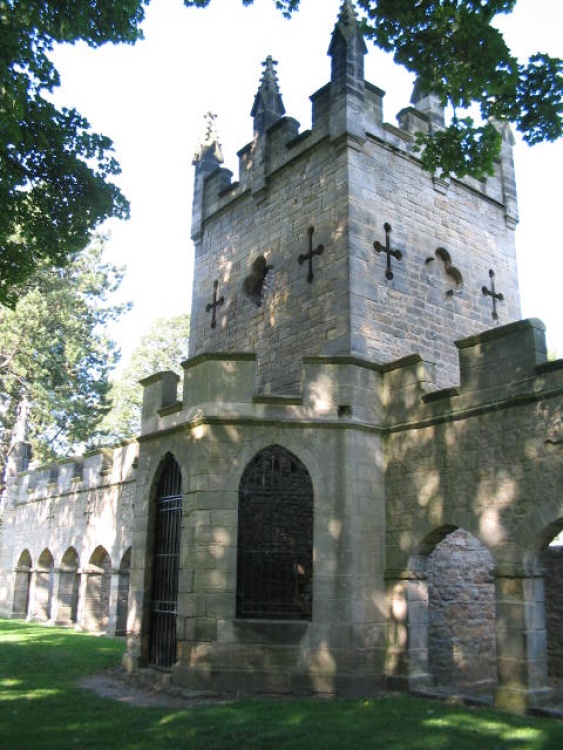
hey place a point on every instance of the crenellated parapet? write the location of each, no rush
(94, 470)
(338, 114)
(500, 368)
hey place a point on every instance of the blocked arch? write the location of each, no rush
(452, 608)
(275, 538)
(98, 587)
(22, 583)
(122, 608)
(44, 581)
(69, 587)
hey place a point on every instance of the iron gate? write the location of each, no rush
(162, 650)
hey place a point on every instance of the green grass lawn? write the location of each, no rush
(42, 707)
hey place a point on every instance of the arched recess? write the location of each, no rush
(461, 612)
(165, 564)
(44, 579)
(551, 561)
(451, 608)
(275, 538)
(123, 594)
(69, 586)
(98, 586)
(22, 584)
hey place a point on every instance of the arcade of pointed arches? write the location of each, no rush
(71, 595)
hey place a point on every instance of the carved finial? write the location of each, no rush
(209, 148)
(347, 21)
(429, 104)
(268, 104)
(347, 48)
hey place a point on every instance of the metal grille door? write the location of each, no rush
(275, 540)
(165, 566)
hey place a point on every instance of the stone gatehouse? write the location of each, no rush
(359, 480)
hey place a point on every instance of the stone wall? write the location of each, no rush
(461, 605)
(67, 529)
(553, 562)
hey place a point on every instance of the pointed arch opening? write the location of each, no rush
(166, 562)
(98, 586)
(69, 587)
(123, 594)
(551, 564)
(22, 583)
(44, 579)
(275, 538)
(461, 612)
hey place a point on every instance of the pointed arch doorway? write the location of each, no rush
(166, 559)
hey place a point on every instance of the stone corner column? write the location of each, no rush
(521, 641)
(406, 665)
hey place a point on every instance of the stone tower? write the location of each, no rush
(359, 390)
(405, 255)
(359, 386)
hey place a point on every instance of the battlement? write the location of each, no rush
(283, 142)
(501, 367)
(97, 468)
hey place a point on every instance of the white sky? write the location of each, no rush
(150, 98)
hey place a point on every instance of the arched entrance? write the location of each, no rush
(461, 612)
(444, 612)
(123, 594)
(69, 586)
(98, 585)
(44, 578)
(275, 538)
(22, 584)
(552, 565)
(166, 560)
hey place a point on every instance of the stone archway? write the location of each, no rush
(461, 612)
(123, 594)
(69, 586)
(22, 583)
(98, 586)
(44, 579)
(551, 559)
(165, 564)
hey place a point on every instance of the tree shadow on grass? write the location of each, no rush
(41, 706)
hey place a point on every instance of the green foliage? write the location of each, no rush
(163, 347)
(286, 6)
(457, 53)
(55, 355)
(41, 706)
(55, 173)
(55, 185)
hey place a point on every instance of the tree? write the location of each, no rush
(55, 173)
(163, 347)
(55, 356)
(55, 185)
(457, 54)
